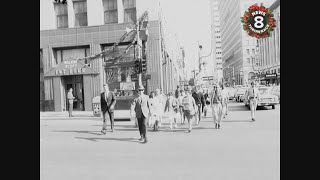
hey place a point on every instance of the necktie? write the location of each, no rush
(253, 93)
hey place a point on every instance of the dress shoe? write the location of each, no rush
(103, 131)
(145, 140)
(253, 119)
(112, 130)
(141, 139)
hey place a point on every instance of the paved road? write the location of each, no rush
(240, 150)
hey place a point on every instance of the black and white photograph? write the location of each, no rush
(160, 89)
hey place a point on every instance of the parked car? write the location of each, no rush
(276, 91)
(266, 98)
(231, 92)
(239, 93)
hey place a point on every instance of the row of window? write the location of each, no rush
(253, 51)
(218, 36)
(218, 52)
(80, 11)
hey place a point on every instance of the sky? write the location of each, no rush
(190, 21)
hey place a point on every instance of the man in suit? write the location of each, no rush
(141, 106)
(70, 101)
(108, 101)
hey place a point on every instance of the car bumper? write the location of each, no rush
(267, 103)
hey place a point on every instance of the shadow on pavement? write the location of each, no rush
(110, 139)
(238, 108)
(86, 132)
(236, 120)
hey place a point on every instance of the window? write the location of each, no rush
(248, 60)
(130, 14)
(248, 51)
(61, 14)
(80, 10)
(110, 11)
(253, 51)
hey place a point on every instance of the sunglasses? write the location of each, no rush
(140, 90)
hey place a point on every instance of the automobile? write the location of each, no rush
(239, 93)
(266, 98)
(276, 91)
(231, 92)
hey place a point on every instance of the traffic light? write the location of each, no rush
(144, 65)
(137, 66)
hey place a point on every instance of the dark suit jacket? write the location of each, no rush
(141, 105)
(107, 105)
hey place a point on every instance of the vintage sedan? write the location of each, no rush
(239, 93)
(231, 92)
(266, 98)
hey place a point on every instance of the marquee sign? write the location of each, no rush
(70, 67)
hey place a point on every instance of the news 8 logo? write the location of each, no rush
(259, 21)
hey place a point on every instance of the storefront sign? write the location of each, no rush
(70, 67)
(271, 76)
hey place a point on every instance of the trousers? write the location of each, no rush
(217, 112)
(142, 123)
(110, 116)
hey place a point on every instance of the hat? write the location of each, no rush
(140, 87)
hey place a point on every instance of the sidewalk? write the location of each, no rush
(119, 115)
(82, 115)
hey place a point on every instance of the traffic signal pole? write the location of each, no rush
(139, 43)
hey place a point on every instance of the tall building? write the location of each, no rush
(239, 50)
(82, 28)
(269, 57)
(216, 40)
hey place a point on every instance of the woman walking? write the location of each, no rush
(171, 108)
(189, 108)
(183, 118)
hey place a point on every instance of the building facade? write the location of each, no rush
(239, 50)
(269, 57)
(216, 41)
(82, 28)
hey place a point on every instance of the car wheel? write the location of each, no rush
(273, 107)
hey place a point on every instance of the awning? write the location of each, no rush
(69, 67)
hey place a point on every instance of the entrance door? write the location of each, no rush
(76, 83)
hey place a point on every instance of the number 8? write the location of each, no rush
(258, 22)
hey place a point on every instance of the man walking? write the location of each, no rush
(70, 101)
(197, 99)
(216, 106)
(108, 101)
(253, 96)
(225, 100)
(141, 106)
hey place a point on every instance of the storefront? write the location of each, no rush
(271, 79)
(74, 74)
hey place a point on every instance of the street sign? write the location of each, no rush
(207, 78)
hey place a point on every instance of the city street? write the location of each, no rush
(74, 148)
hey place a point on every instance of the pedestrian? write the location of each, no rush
(141, 106)
(171, 107)
(216, 106)
(159, 105)
(108, 102)
(207, 102)
(70, 102)
(153, 119)
(182, 116)
(225, 101)
(177, 92)
(253, 96)
(198, 101)
(189, 108)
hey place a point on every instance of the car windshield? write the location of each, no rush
(264, 90)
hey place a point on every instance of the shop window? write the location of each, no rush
(110, 11)
(61, 11)
(80, 10)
